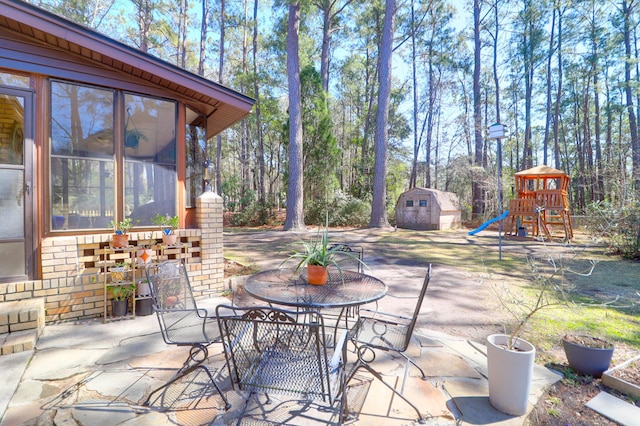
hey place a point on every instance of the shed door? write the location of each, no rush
(16, 189)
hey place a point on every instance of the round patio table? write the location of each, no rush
(343, 289)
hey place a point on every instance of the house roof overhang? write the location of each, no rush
(222, 106)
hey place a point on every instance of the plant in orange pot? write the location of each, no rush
(319, 254)
(168, 224)
(120, 237)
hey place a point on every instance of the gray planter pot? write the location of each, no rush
(119, 308)
(587, 360)
(144, 307)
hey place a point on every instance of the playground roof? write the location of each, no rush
(540, 171)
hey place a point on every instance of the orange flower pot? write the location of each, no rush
(120, 240)
(317, 274)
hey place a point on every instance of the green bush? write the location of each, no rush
(618, 227)
(253, 214)
(343, 210)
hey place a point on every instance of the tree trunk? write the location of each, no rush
(204, 25)
(545, 141)
(416, 142)
(295, 209)
(256, 109)
(218, 184)
(635, 146)
(378, 208)
(556, 109)
(478, 202)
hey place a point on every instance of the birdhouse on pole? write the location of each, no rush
(497, 131)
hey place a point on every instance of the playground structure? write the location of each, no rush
(541, 205)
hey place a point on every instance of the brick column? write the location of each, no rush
(209, 213)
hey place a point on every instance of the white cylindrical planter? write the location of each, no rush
(510, 374)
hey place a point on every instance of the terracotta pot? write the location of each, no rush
(317, 274)
(120, 240)
(171, 301)
(169, 240)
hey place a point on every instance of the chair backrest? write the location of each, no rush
(181, 322)
(170, 285)
(416, 311)
(277, 351)
(350, 250)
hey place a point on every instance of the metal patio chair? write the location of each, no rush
(182, 323)
(337, 316)
(271, 350)
(387, 332)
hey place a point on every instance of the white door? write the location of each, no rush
(16, 188)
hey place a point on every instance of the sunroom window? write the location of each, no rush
(150, 158)
(82, 156)
(92, 182)
(196, 155)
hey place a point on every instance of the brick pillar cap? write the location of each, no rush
(209, 196)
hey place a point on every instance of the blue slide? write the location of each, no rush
(489, 222)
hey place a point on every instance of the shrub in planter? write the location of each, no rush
(510, 359)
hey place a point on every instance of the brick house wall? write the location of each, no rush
(72, 284)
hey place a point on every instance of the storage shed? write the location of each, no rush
(428, 209)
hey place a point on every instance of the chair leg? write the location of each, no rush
(190, 365)
(362, 364)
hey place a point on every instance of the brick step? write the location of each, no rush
(21, 323)
(18, 341)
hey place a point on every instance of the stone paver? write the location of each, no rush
(615, 409)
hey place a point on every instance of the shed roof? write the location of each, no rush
(222, 106)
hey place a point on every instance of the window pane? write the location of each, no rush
(150, 189)
(14, 80)
(82, 193)
(81, 121)
(150, 158)
(150, 130)
(423, 203)
(82, 163)
(11, 206)
(196, 155)
(409, 203)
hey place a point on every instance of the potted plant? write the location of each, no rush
(587, 355)
(144, 302)
(319, 254)
(510, 358)
(168, 225)
(120, 301)
(120, 238)
(118, 272)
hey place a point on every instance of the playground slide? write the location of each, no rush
(489, 222)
